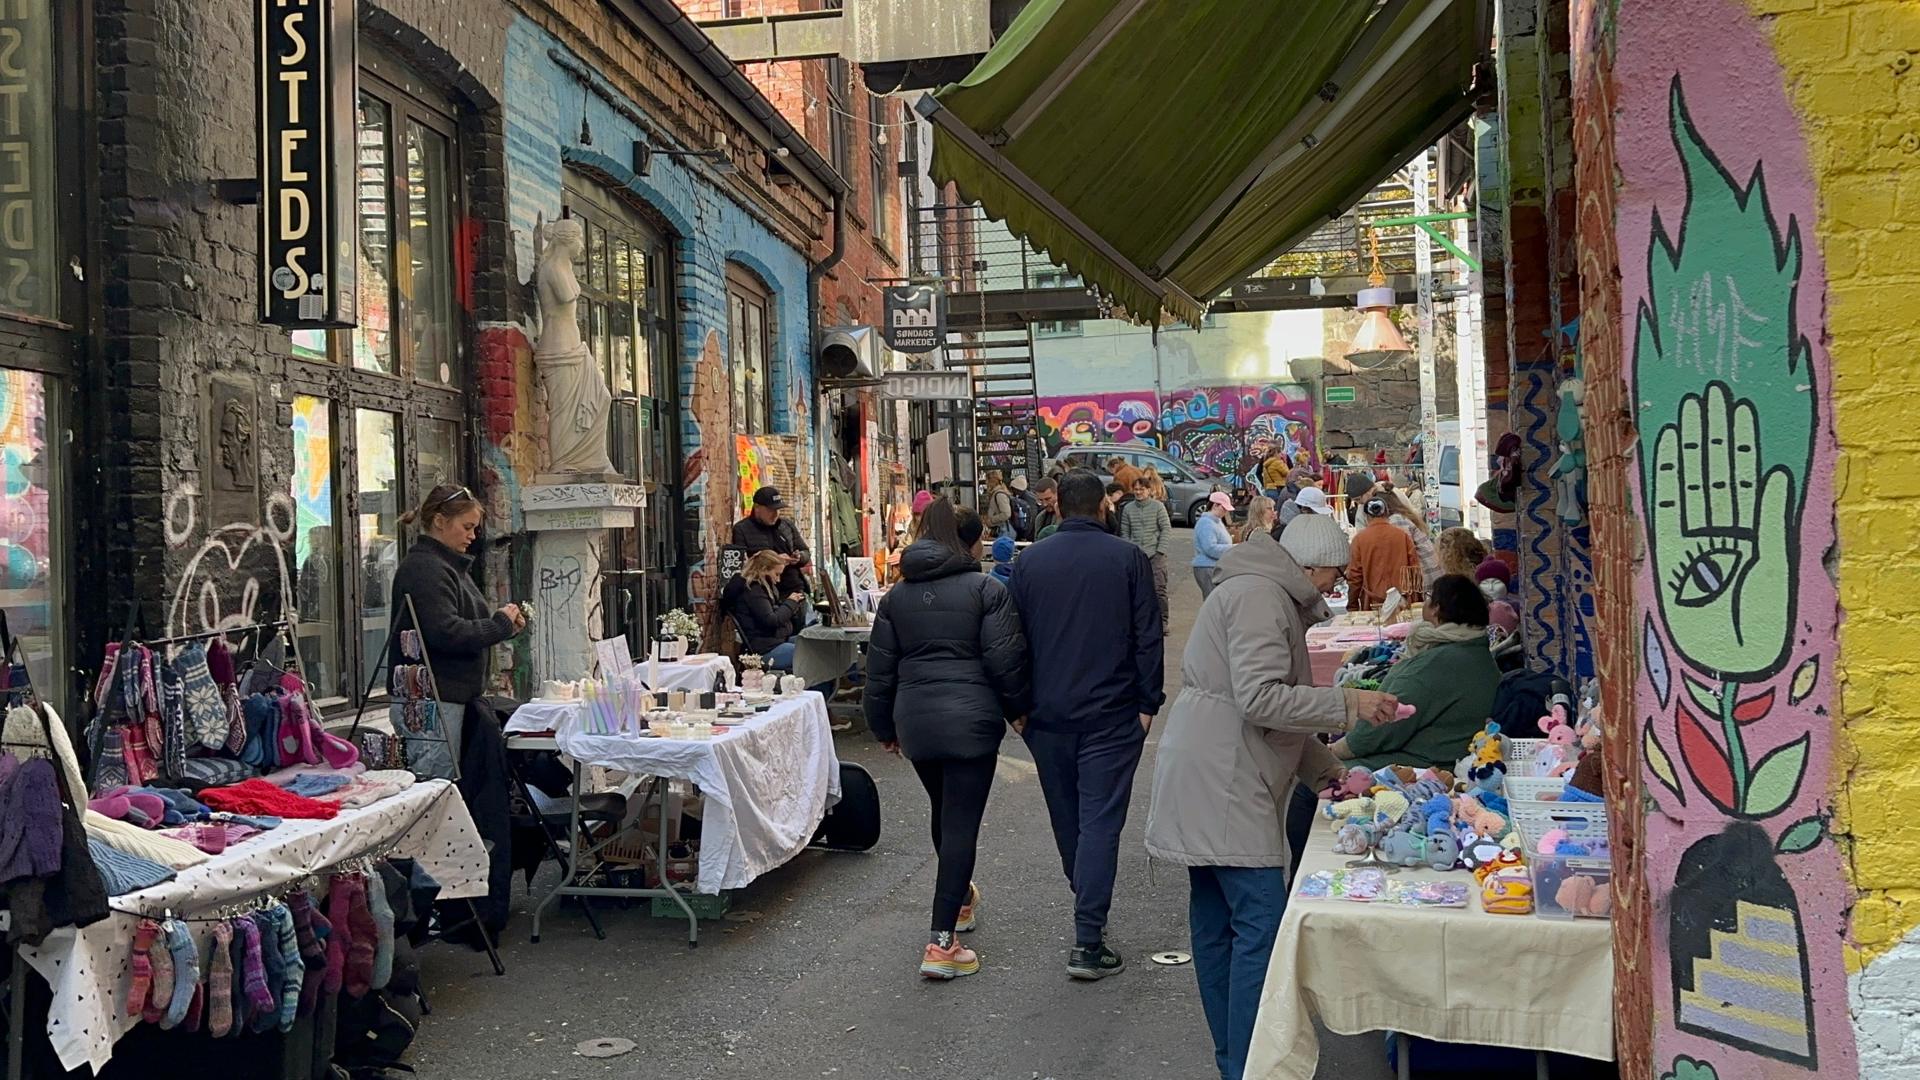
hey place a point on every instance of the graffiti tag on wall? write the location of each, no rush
(1737, 640)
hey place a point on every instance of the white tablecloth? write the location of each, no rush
(767, 783)
(695, 676)
(88, 968)
(1455, 975)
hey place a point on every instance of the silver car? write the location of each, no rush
(1187, 487)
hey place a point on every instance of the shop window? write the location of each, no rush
(378, 411)
(32, 551)
(29, 190)
(317, 545)
(749, 344)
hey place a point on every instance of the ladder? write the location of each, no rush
(1005, 401)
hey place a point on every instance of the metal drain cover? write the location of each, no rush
(605, 1048)
(1171, 959)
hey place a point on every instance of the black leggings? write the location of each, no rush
(958, 790)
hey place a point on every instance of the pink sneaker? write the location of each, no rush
(969, 911)
(948, 963)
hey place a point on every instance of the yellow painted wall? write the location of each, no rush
(1853, 71)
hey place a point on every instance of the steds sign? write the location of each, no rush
(305, 65)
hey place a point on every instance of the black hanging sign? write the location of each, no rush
(305, 69)
(916, 319)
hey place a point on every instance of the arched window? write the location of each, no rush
(749, 350)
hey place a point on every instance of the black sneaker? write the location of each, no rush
(1095, 962)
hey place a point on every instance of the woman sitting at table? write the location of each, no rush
(946, 674)
(767, 620)
(1239, 734)
(1448, 675)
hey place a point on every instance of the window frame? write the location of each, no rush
(840, 116)
(414, 402)
(748, 292)
(881, 169)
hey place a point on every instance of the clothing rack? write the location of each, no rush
(11, 662)
(251, 628)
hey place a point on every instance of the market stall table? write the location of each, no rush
(1449, 974)
(87, 968)
(767, 783)
(824, 653)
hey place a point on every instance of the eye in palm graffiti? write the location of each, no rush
(1722, 548)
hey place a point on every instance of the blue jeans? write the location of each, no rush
(1087, 778)
(1233, 914)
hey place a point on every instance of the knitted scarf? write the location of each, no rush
(259, 797)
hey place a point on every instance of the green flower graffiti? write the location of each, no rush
(1724, 379)
(1685, 1068)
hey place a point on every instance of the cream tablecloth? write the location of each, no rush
(88, 968)
(1455, 975)
(678, 675)
(767, 783)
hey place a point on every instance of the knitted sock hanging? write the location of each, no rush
(186, 972)
(142, 967)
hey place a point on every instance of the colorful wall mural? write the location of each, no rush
(1723, 296)
(1216, 428)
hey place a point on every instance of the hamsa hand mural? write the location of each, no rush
(1738, 636)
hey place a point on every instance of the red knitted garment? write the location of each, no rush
(257, 797)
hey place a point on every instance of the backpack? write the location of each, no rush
(1024, 509)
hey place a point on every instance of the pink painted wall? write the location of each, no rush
(1722, 304)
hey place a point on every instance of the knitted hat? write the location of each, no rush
(1020, 482)
(1502, 614)
(1493, 567)
(1315, 540)
(922, 500)
(1003, 549)
(124, 873)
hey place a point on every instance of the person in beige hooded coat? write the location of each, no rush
(1239, 734)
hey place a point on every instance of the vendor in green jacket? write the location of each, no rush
(1448, 675)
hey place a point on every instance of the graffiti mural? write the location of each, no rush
(1215, 428)
(708, 504)
(236, 575)
(1737, 636)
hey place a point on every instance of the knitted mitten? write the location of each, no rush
(160, 955)
(293, 971)
(337, 904)
(383, 930)
(220, 982)
(112, 766)
(186, 972)
(266, 1016)
(142, 964)
(360, 950)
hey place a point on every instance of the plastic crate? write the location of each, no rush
(1584, 822)
(1535, 788)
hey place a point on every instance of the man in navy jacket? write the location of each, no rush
(1087, 601)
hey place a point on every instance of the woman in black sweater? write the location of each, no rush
(459, 631)
(766, 619)
(947, 671)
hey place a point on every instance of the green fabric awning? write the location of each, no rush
(1165, 149)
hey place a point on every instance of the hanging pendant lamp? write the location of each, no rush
(1377, 343)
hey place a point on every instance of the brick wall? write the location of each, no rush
(1849, 68)
(176, 110)
(744, 219)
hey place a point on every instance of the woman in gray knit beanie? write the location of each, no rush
(1239, 738)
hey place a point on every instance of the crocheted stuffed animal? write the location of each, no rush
(1353, 837)
(1438, 850)
(1349, 808)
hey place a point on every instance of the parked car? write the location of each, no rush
(1187, 486)
(1451, 507)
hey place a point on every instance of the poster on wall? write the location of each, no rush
(304, 63)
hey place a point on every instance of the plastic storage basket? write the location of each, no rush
(1554, 873)
(1520, 754)
(1545, 789)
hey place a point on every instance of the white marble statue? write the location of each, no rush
(578, 402)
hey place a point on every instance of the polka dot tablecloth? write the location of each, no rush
(87, 969)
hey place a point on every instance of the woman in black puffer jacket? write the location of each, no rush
(947, 671)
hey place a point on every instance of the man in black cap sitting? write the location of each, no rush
(765, 530)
